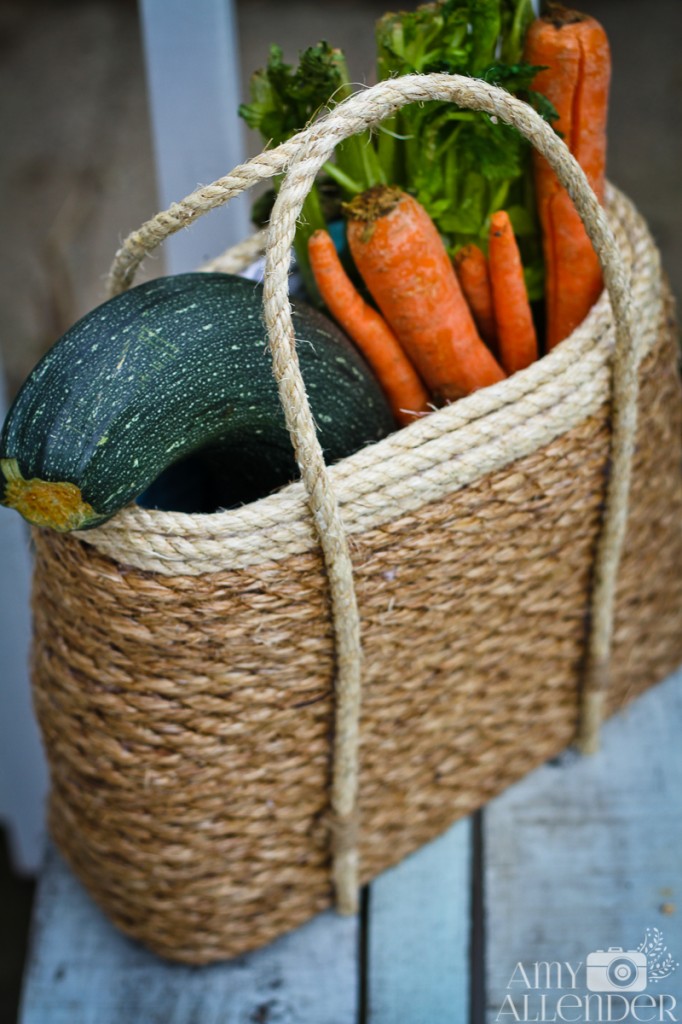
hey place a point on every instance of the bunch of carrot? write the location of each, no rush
(423, 342)
(573, 51)
(442, 183)
(439, 331)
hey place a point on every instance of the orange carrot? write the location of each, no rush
(575, 51)
(513, 318)
(403, 262)
(400, 381)
(474, 279)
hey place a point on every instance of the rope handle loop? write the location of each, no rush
(302, 156)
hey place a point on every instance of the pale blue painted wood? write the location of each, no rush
(582, 855)
(192, 62)
(419, 925)
(23, 775)
(586, 853)
(83, 971)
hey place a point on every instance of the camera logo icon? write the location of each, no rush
(616, 970)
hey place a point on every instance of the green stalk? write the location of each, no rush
(389, 149)
(333, 171)
(499, 197)
(522, 14)
(486, 23)
(356, 157)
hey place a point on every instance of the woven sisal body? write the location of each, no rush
(188, 712)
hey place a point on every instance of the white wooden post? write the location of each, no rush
(191, 57)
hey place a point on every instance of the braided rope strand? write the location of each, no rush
(326, 514)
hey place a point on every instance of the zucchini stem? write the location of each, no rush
(59, 504)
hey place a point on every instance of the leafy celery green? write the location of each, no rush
(283, 101)
(459, 164)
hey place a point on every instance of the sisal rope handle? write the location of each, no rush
(304, 155)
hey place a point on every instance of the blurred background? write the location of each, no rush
(77, 174)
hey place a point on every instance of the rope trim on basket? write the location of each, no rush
(304, 154)
(453, 448)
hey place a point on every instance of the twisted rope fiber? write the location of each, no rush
(180, 215)
(306, 153)
(329, 526)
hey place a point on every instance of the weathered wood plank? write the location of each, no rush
(419, 925)
(582, 855)
(585, 854)
(83, 971)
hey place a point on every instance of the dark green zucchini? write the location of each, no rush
(167, 392)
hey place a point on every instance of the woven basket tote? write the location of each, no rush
(510, 564)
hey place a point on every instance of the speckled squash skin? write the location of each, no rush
(167, 391)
